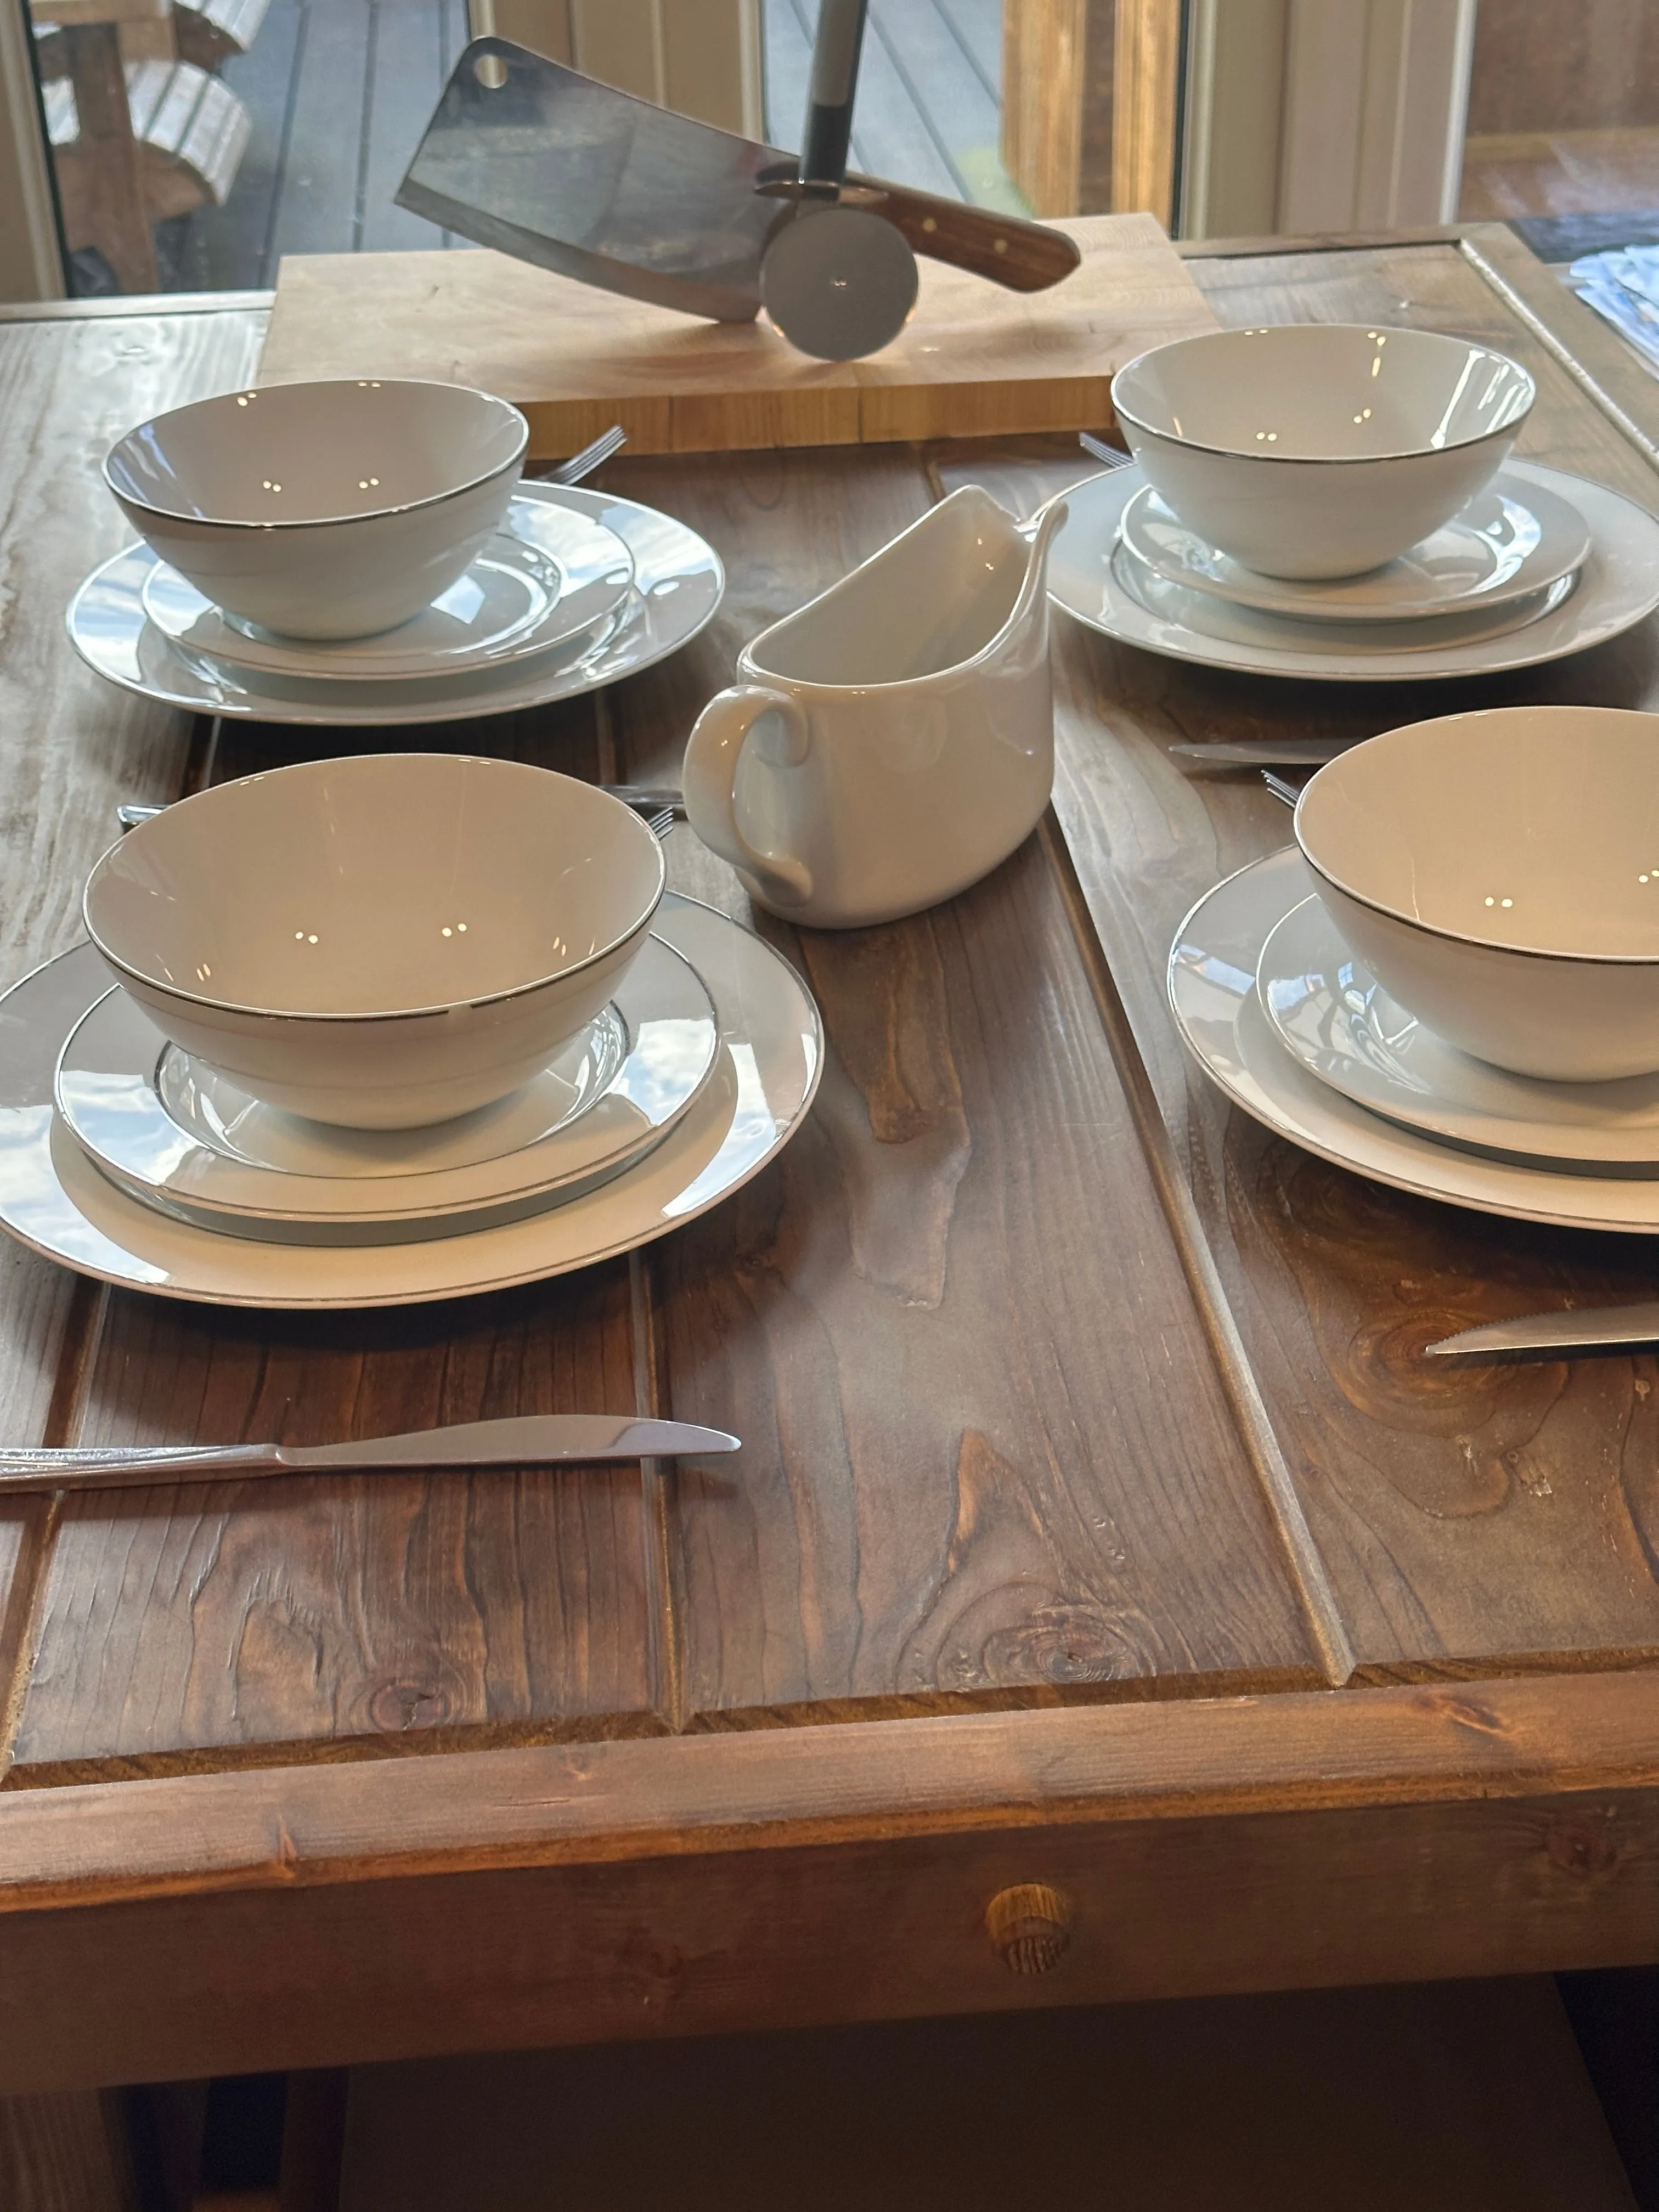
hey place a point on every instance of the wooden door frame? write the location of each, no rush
(1239, 117)
(1323, 116)
(31, 264)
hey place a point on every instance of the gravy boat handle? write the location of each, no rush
(712, 753)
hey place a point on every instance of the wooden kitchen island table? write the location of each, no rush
(1099, 1533)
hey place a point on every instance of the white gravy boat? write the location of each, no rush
(892, 741)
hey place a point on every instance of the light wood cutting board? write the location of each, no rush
(973, 361)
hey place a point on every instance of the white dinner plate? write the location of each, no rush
(1335, 1017)
(55, 1200)
(1212, 987)
(677, 583)
(1617, 587)
(1511, 541)
(181, 1135)
(548, 575)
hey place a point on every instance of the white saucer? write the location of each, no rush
(1617, 587)
(547, 576)
(177, 1134)
(1511, 541)
(1212, 987)
(1331, 1012)
(55, 1200)
(677, 583)
(1249, 627)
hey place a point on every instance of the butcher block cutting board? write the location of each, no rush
(974, 360)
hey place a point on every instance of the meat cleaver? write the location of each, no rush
(555, 168)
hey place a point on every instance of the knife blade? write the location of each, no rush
(555, 168)
(1275, 752)
(1579, 1328)
(527, 1440)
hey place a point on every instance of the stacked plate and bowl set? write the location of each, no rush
(403, 1025)
(1449, 983)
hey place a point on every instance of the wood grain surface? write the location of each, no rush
(1060, 1387)
(1489, 1517)
(973, 360)
(70, 747)
(1417, 1859)
(983, 1461)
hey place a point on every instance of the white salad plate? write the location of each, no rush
(677, 583)
(55, 1200)
(1332, 1014)
(1511, 541)
(1617, 587)
(1211, 986)
(548, 575)
(182, 1135)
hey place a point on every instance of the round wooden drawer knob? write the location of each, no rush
(1029, 1925)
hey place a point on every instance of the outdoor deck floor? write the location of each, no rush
(340, 90)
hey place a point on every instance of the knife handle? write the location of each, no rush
(1022, 257)
(130, 1466)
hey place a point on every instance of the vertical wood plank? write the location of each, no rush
(1145, 87)
(198, 1628)
(72, 747)
(918, 1521)
(231, 1624)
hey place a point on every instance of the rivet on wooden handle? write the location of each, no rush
(1029, 1925)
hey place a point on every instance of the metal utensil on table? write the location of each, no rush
(541, 163)
(652, 801)
(1288, 794)
(1107, 456)
(1271, 752)
(529, 1440)
(1583, 1328)
(593, 456)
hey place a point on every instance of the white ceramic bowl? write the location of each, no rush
(1499, 873)
(1320, 449)
(326, 510)
(383, 941)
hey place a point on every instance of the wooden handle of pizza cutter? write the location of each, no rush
(1022, 257)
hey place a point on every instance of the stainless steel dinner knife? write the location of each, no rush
(1581, 1328)
(530, 1440)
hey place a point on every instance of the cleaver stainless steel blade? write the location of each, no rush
(555, 168)
(550, 165)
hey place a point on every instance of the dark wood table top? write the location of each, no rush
(1096, 1508)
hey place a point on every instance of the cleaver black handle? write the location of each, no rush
(829, 128)
(1022, 257)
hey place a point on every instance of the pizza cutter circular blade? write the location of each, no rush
(838, 282)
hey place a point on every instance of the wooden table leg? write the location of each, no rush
(109, 209)
(67, 2152)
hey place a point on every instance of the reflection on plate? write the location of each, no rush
(183, 1136)
(54, 1200)
(677, 583)
(1617, 587)
(1212, 987)
(1511, 541)
(1333, 1016)
(529, 590)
